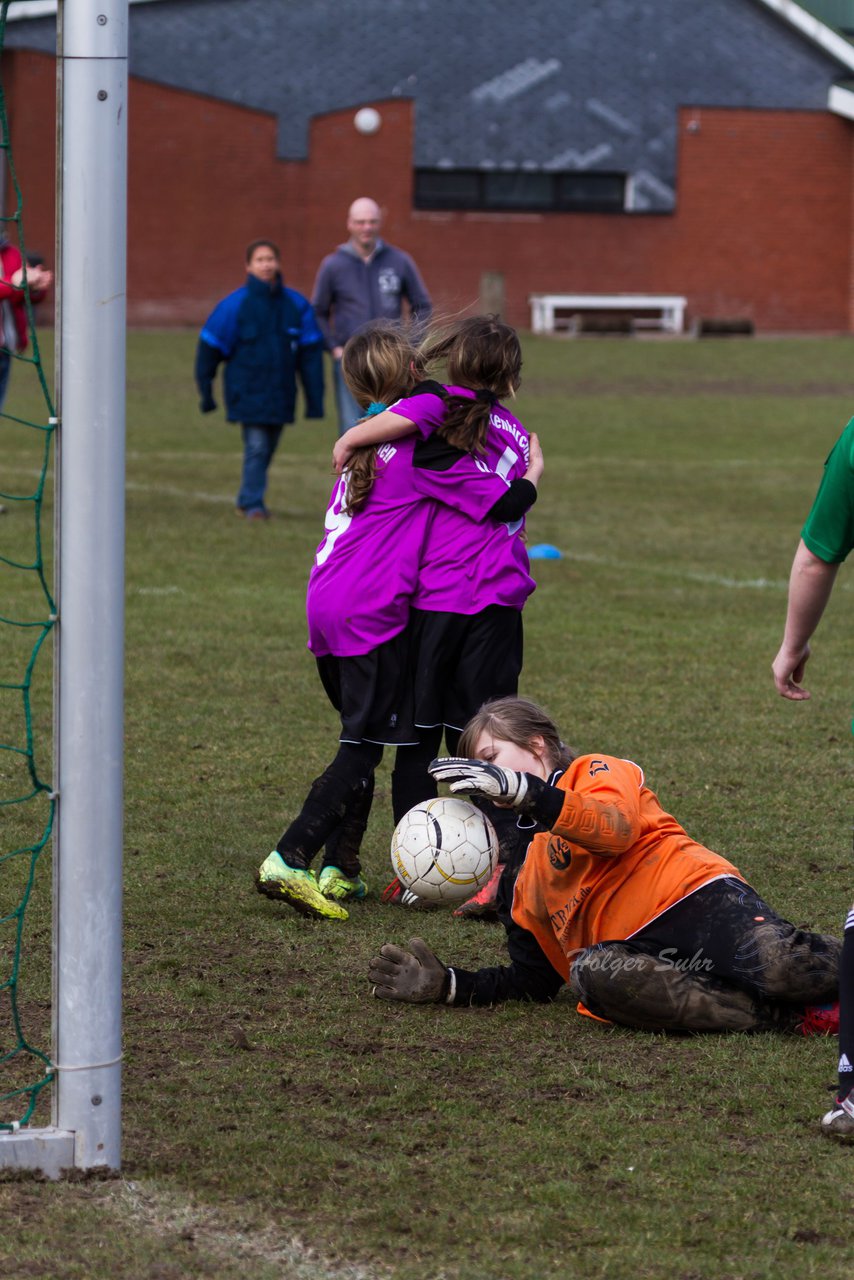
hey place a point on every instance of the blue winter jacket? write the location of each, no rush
(266, 334)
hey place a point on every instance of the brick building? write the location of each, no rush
(629, 146)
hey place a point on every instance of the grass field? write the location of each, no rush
(278, 1121)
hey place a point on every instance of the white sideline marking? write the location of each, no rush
(160, 591)
(174, 455)
(172, 491)
(686, 575)
(156, 1214)
(608, 562)
(133, 486)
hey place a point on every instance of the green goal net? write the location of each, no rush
(27, 616)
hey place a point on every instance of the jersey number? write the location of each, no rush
(337, 521)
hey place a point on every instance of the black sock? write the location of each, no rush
(410, 781)
(328, 802)
(342, 847)
(846, 1009)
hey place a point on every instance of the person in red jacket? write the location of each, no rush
(13, 306)
(649, 928)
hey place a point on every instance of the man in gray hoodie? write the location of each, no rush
(363, 280)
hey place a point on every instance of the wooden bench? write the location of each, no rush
(670, 309)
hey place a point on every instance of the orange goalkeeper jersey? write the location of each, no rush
(613, 861)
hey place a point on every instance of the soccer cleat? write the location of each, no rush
(839, 1121)
(819, 1020)
(484, 904)
(275, 879)
(401, 897)
(333, 883)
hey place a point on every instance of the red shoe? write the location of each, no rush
(819, 1020)
(392, 892)
(484, 905)
(401, 897)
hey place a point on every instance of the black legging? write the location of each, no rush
(410, 781)
(335, 809)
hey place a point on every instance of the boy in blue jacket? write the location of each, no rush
(266, 334)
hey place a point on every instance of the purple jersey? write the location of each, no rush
(366, 568)
(469, 563)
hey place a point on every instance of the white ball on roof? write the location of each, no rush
(367, 120)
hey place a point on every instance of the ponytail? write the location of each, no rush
(361, 474)
(466, 421)
(482, 354)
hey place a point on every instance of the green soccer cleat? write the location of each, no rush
(275, 879)
(334, 884)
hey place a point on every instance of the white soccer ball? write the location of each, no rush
(444, 850)
(367, 120)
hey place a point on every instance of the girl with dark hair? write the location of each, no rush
(377, 541)
(467, 605)
(649, 928)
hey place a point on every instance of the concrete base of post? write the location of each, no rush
(46, 1151)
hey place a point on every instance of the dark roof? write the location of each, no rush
(542, 84)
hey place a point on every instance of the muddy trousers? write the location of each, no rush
(719, 960)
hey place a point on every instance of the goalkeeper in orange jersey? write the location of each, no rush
(649, 928)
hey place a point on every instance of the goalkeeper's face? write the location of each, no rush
(510, 755)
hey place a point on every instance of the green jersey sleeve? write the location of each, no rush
(829, 529)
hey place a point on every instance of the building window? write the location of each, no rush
(520, 190)
(594, 191)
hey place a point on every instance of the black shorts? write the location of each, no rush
(373, 693)
(462, 661)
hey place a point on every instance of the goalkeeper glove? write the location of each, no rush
(524, 792)
(207, 404)
(476, 777)
(414, 976)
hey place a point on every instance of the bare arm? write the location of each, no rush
(810, 584)
(374, 430)
(536, 463)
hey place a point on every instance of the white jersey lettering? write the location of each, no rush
(337, 521)
(502, 424)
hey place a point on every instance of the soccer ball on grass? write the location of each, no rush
(444, 850)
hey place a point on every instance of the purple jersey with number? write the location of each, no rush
(470, 563)
(366, 568)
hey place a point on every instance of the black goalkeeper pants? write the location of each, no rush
(719, 960)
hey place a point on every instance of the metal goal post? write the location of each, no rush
(85, 1130)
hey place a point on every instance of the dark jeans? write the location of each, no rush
(259, 445)
(349, 412)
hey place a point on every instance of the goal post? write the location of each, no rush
(92, 38)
